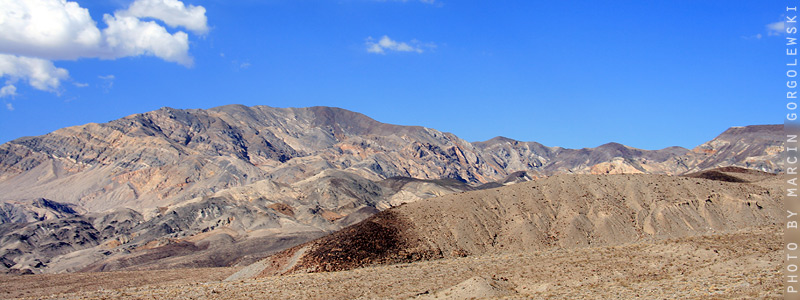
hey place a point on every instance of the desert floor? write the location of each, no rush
(737, 265)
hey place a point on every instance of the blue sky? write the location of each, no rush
(648, 74)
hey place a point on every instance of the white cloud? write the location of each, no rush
(9, 106)
(8, 90)
(776, 28)
(58, 30)
(173, 12)
(50, 29)
(129, 36)
(40, 74)
(35, 32)
(386, 44)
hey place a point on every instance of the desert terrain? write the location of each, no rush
(464, 245)
(232, 185)
(737, 265)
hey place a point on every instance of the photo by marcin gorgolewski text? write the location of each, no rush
(791, 268)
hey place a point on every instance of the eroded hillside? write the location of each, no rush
(562, 211)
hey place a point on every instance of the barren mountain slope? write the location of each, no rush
(167, 156)
(229, 185)
(233, 227)
(753, 147)
(562, 211)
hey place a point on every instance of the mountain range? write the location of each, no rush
(232, 185)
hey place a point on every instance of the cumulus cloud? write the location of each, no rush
(36, 32)
(129, 36)
(9, 106)
(386, 44)
(62, 30)
(776, 28)
(173, 12)
(39, 73)
(49, 29)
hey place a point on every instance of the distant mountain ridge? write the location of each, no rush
(171, 180)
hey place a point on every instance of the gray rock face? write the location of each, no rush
(35, 210)
(185, 187)
(26, 248)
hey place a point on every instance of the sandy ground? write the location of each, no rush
(37, 286)
(738, 265)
